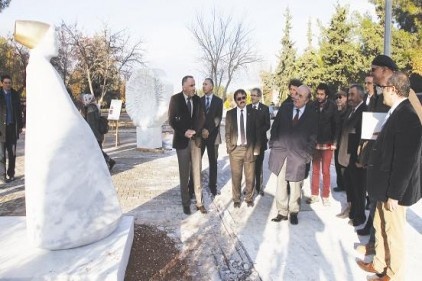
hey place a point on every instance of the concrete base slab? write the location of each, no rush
(103, 260)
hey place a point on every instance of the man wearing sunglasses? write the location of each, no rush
(243, 146)
(292, 144)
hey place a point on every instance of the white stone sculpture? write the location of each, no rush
(70, 197)
(147, 99)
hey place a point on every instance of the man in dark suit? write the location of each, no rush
(187, 118)
(348, 157)
(10, 127)
(211, 137)
(292, 143)
(243, 147)
(264, 123)
(394, 179)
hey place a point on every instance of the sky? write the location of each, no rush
(162, 25)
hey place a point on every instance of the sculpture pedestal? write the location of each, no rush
(148, 138)
(106, 259)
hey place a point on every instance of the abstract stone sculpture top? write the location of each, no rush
(147, 97)
(70, 197)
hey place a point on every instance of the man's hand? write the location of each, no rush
(391, 204)
(205, 133)
(189, 133)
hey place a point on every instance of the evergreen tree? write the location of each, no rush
(341, 58)
(286, 66)
(308, 65)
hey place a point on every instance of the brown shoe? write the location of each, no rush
(250, 203)
(380, 277)
(201, 209)
(367, 266)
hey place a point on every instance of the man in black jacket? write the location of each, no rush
(187, 118)
(394, 178)
(264, 123)
(11, 126)
(328, 131)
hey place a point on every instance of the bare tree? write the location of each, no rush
(226, 47)
(104, 58)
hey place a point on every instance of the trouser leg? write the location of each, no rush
(258, 170)
(183, 158)
(327, 155)
(236, 164)
(316, 166)
(281, 195)
(249, 168)
(196, 160)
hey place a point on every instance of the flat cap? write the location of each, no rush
(383, 60)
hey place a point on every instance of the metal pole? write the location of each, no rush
(387, 27)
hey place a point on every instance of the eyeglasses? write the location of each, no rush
(369, 83)
(241, 98)
(387, 86)
(254, 95)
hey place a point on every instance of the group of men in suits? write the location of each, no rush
(11, 123)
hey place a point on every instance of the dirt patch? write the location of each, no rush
(154, 256)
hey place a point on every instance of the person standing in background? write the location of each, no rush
(211, 137)
(10, 127)
(264, 124)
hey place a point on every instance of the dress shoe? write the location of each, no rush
(345, 213)
(250, 204)
(366, 249)
(293, 219)
(364, 231)
(380, 277)
(279, 218)
(338, 189)
(367, 266)
(313, 199)
(236, 204)
(111, 164)
(10, 179)
(202, 209)
(186, 210)
(358, 221)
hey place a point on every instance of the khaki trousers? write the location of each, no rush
(389, 241)
(287, 204)
(238, 165)
(190, 157)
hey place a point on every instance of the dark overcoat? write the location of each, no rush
(294, 143)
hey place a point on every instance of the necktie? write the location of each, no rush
(189, 106)
(255, 107)
(296, 118)
(242, 129)
(207, 104)
(351, 113)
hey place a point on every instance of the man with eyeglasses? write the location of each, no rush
(243, 146)
(11, 124)
(187, 118)
(263, 114)
(369, 88)
(394, 179)
(292, 144)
